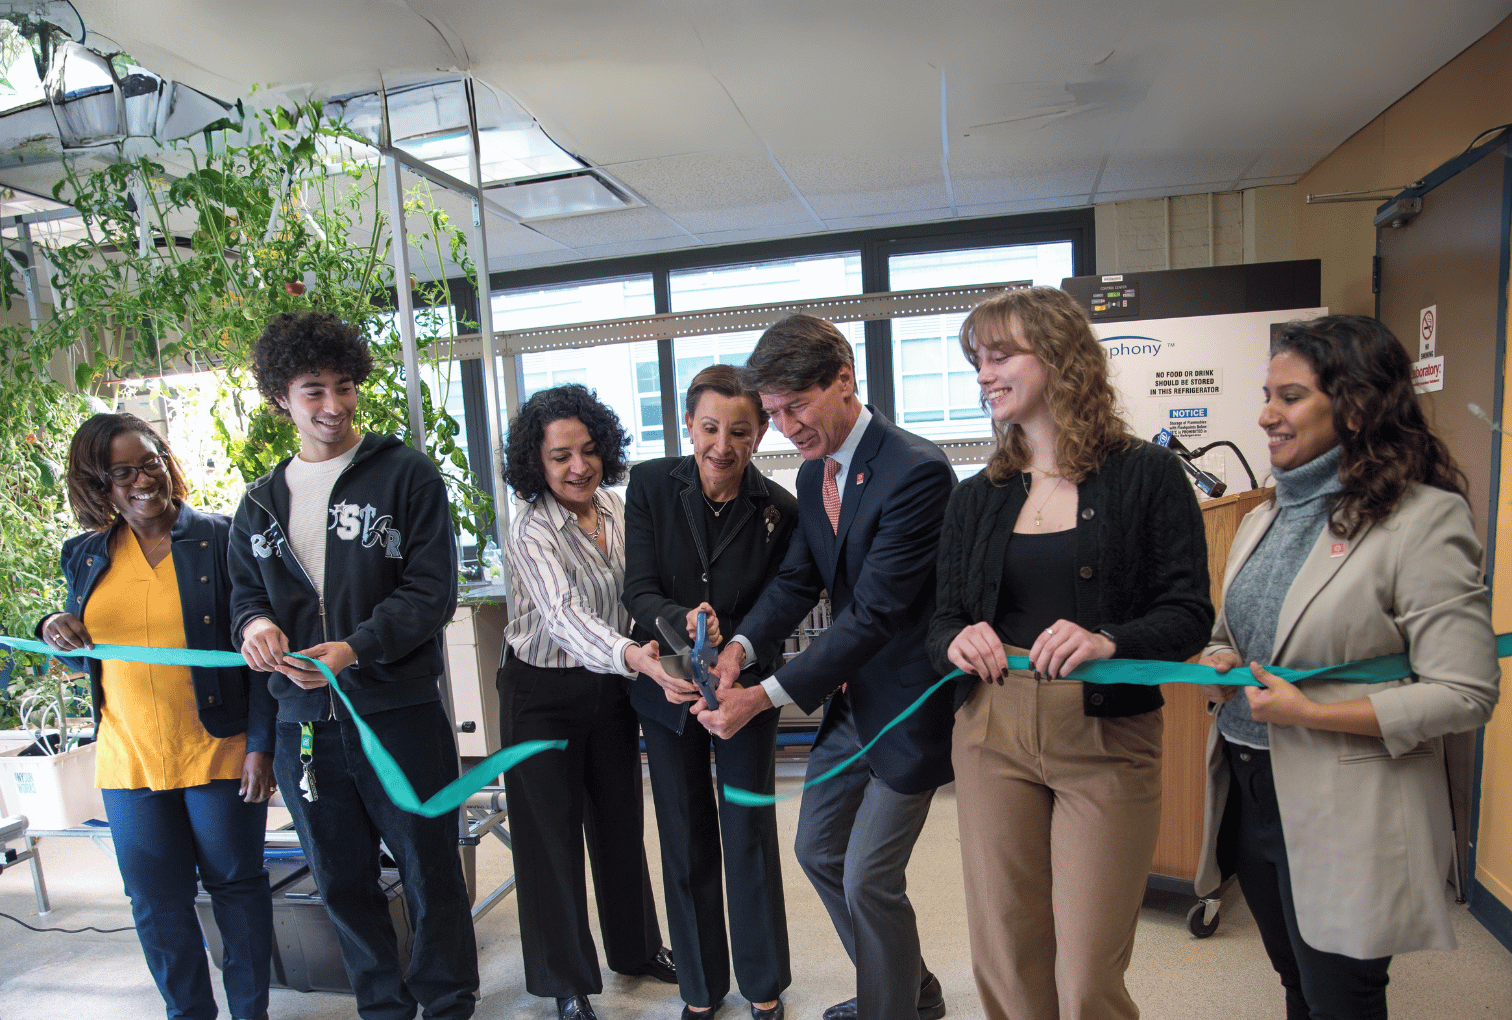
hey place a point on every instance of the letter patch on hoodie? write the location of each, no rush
(269, 543)
(351, 522)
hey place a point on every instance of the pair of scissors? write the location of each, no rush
(691, 664)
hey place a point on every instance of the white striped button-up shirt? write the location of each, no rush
(568, 610)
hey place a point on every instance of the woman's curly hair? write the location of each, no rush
(524, 471)
(297, 343)
(1081, 398)
(89, 481)
(1367, 374)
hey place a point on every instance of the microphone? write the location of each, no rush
(1208, 483)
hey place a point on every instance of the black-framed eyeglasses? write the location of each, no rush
(126, 474)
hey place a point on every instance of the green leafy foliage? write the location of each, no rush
(180, 273)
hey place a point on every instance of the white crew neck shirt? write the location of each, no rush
(310, 487)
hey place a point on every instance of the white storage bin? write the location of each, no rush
(53, 791)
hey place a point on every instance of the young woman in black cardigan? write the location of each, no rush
(708, 532)
(1077, 542)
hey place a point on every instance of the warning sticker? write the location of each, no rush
(1180, 382)
(1187, 422)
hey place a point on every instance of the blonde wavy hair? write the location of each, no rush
(1082, 401)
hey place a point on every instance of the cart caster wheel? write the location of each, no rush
(1198, 922)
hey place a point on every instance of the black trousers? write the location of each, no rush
(555, 800)
(693, 821)
(340, 832)
(1319, 985)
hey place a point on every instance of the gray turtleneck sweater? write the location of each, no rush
(1253, 603)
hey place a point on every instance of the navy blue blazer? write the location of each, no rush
(230, 700)
(879, 570)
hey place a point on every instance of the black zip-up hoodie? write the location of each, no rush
(390, 579)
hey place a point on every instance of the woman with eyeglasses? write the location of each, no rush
(185, 754)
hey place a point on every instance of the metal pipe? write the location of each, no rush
(399, 252)
(492, 397)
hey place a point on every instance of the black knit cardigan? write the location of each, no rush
(1141, 566)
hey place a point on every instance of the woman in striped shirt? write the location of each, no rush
(566, 675)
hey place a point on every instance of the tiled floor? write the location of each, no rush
(48, 976)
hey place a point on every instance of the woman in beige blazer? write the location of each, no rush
(1330, 800)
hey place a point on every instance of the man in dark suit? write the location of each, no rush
(871, 499)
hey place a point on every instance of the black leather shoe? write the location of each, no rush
(575, 1007)
(775, 1013)
(931, 1003)
(841, 1011)
(931, 999)
(689, 1013)
(659, 966)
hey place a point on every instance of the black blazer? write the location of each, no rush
(880, 573)
(1141, 573)
(668, 569)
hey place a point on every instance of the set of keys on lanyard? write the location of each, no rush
(306, 758)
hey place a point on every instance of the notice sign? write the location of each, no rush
(1428, 375)
(1428, 332)
(1183, 382)
(1187, 423)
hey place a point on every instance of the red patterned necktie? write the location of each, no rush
(831, 493)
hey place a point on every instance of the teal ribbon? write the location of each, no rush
(448, 799)
(1147, 672)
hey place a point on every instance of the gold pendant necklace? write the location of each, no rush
(1039, 515)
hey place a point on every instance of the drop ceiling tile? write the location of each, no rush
(845, 186)
(618, 227)
(1047, 203)
(765, 233)
(889, 219)
(711, 192)
(506, 239)
(1176, 173)
(619, 249)
(985, 177)
(510, 263)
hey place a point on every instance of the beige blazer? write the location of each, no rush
(1366, 819)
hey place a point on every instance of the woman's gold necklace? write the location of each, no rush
(157, 546)
(1039, 515)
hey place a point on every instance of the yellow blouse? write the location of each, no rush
(150, 732)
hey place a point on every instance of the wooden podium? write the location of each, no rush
(1184, 766)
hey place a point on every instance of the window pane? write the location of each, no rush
(626, 377)
(760, 283)
(587, 301)
(1046, 264)
(948, 407)
(617, 373)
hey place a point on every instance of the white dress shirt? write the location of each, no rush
(844, 455)
(568, 610)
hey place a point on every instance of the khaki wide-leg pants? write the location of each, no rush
(1059, 813)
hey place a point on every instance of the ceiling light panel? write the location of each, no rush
(572, 195)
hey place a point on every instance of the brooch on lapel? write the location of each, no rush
(771, 517)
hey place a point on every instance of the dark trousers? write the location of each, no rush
(556, 799)
(1319, 985)
(855, 836)
(692, 827)
(163, 838)
(340, 832)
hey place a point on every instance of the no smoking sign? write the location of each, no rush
(1428, 332)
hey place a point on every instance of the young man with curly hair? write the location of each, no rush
(345, 554)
